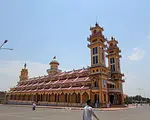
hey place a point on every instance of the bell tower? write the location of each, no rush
(97, 45)
(113, 55)
(24, 73)
(98, 69)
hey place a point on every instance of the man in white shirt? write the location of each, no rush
(88, 112)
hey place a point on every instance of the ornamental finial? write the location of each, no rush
(25, 65)
(54, 57)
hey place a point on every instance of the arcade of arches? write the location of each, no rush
(53, 97)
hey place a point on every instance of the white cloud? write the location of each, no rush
(137, 54)
(134, 81)
(10, 71)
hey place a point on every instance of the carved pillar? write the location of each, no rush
(81, 101)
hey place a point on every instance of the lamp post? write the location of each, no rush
(3, 45)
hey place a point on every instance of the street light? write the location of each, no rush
(3, 45)
(5, 41)
(7, 48)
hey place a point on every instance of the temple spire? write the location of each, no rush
(25, 66)
(24, 73)
(54, 57)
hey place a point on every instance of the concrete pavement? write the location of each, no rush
(25, 113)
(75, 108)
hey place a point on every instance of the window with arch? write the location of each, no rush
(96, 83)
(95, 55)
(95, 50)
(104, 84)
(112, 64)
(119, 64)
(94, 32)
(103, 57)
(95, 59)
(104, 97)
(111, 44)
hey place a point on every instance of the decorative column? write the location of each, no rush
(81, 101)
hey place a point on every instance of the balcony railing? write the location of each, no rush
(97, 34)
(99, 42)
(114, 90)
(94, 88)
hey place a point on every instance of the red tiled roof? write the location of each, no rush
(41, 90)
(35, 84)
(74, 88)
(84, 88)
(48, 83)
(41, 84)
(81, 79)
(29, 90)
(29, 85)
(62, 79)
(35, 90)
(48, 89)
(65, 88)
(70, 80)
(54, 89)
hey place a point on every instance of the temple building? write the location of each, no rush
(99, 82)
(2, 96)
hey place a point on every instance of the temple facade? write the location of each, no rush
(99, 82)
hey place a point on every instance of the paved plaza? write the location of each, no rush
(8, 112)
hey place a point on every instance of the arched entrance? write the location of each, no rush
(34, 98)
(55, 100)
(96, 100)
(112, 99)
(78, 98)
(74, 98)
(66, 96)
(85, 97)
(38, 98)
(52, 97)
(62, 97)
(69, 98)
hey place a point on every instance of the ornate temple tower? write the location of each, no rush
(53, 67)
(114, 65)
(97, 46)
(98, 70)
(24, 73)
(113, 55)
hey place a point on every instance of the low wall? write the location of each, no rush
(16, 102)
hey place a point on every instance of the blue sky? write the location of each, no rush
(39, 30)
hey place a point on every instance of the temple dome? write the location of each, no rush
(54, 61)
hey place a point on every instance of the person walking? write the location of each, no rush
(34, 105)
(88, 111)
